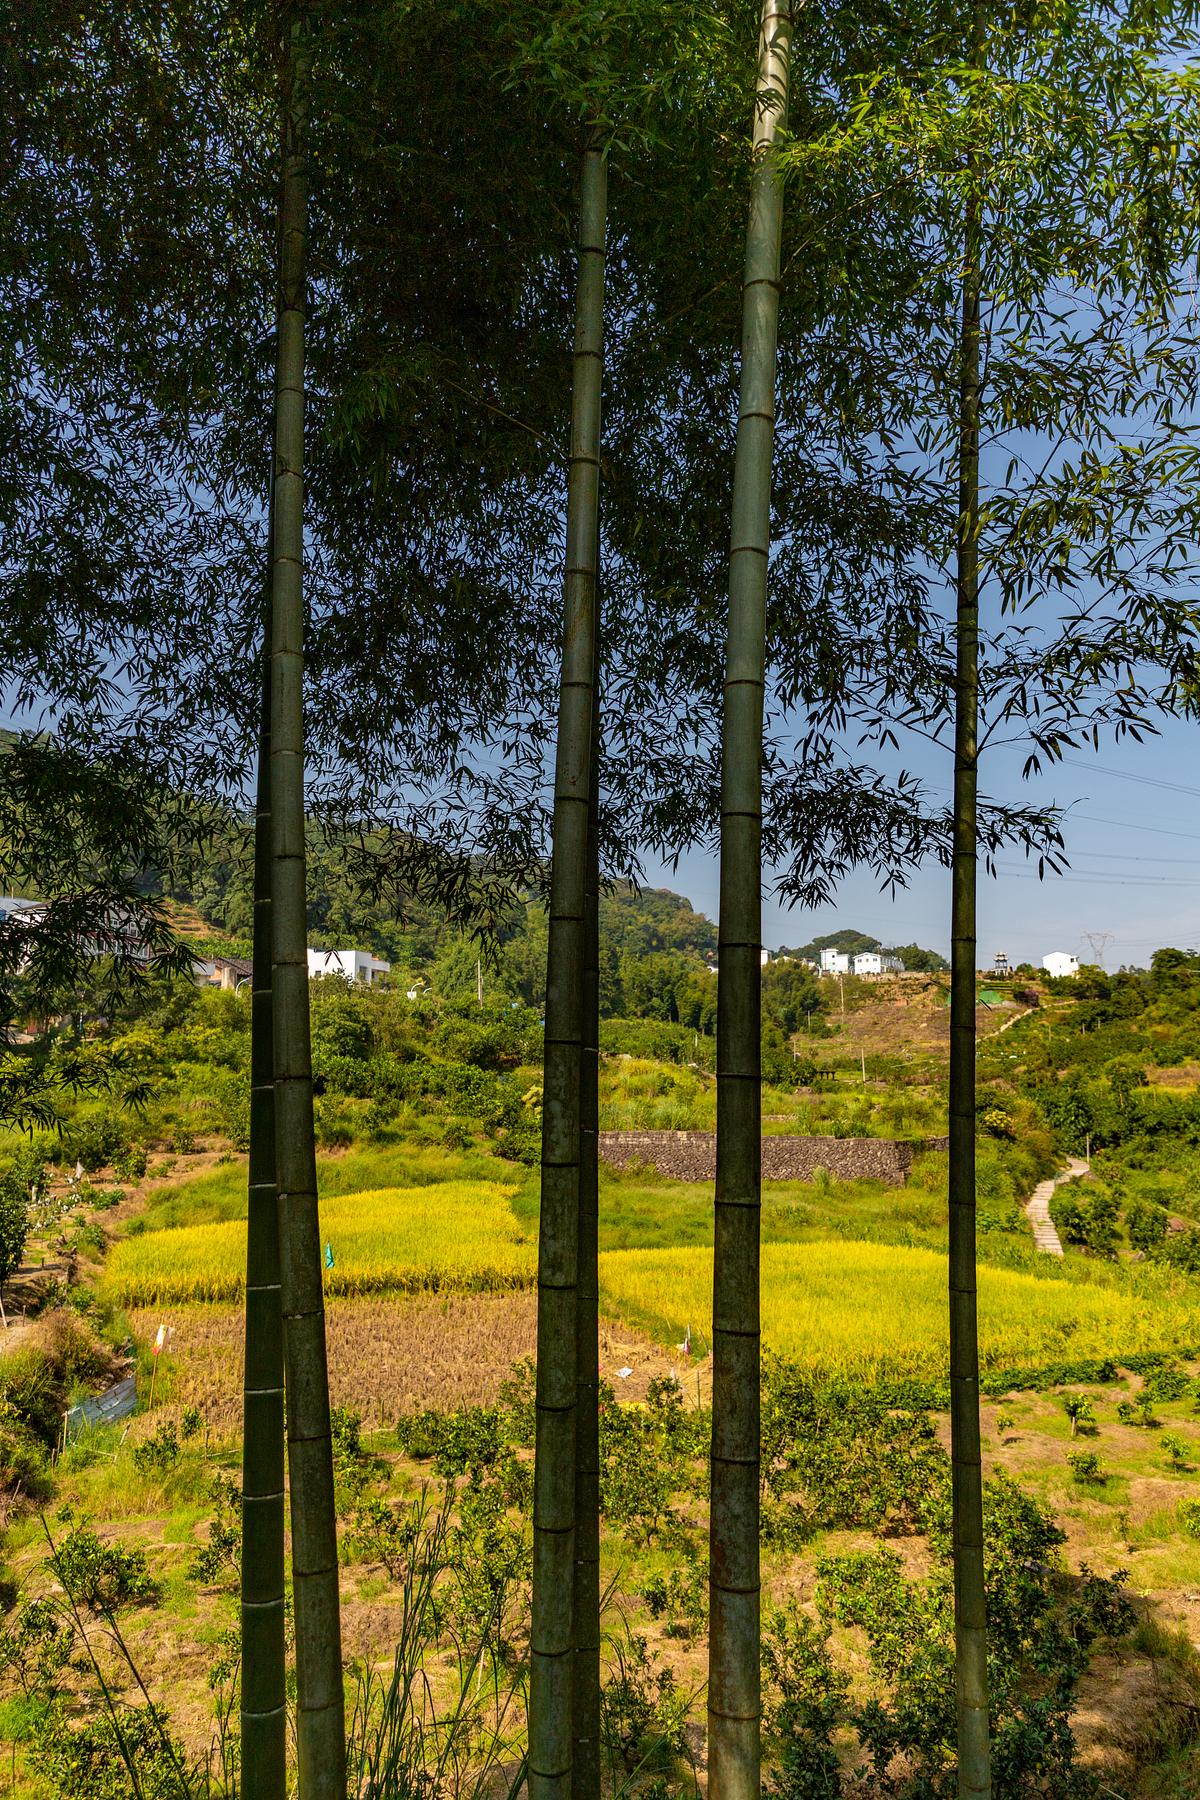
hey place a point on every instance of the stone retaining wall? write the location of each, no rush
(692, 1155)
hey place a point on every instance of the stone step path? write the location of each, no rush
(1037, 1207)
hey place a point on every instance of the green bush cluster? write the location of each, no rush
(1043, 1625)
(836, 1457)
(100, 1577)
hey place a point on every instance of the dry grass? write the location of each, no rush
(386, 1357)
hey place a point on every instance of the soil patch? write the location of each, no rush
(388, 1357)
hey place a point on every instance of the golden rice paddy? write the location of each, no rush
(447, 1237)
(875, 1311)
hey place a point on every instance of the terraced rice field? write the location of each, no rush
(454, 1237)
(877, 1312)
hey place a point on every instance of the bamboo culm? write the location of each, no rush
(264, 1693)
(552, 1640)
(734, 1598)
(970, 1610)
(586, 1681)
(320, 1709)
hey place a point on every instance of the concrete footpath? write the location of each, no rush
(1037, 1207)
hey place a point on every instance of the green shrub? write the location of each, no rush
(1085, 1467)
(837, 1457)
(378, 1533)
(101, 1577)
(1168, 1383)
(1179, 1451)
(1138, 1411)
(1081, 1413)
(159, 1453)
(1188, 1514)
(97, 1141)
(130, 1163)
(91, 1760)
(680, 1597)
(1041, 1633)
(36, 1648)
(24, 1467)
(334, 1122)
(419, 1434)
(643, 1713)
(36, 1379)
(221, 1553)
(804, 1703)
(1146, 1225)
(88, 1238)
(657, 1039)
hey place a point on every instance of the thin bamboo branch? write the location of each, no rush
(970, 1611)
(264, 1692)
(734, 1583)
(320, 1709)
(552, 1640)
(586, 1689)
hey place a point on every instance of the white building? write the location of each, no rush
(13, 907)
(764, 957)
(876, 962)
(352, 965)
(835, 962)
(1058, 964)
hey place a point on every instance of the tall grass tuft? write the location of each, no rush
(425, 1729)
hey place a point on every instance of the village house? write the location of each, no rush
(353, 965)
(228, 973)
(877, 962)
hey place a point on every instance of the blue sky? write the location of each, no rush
(1134, 846)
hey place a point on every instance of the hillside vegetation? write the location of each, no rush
(429, 1123)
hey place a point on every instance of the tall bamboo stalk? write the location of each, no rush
(320, 1710)
(586, 1684)
(970, 1612)
(552, 1640)
(733, 1661)
(264, 1696)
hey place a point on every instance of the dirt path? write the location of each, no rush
(1037, 1207)
(1008, 1023)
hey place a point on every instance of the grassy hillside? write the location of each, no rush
(429, 1116)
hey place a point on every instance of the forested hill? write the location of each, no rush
(656, 948)
(655, 943)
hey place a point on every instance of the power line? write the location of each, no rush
(1115, 856)
(1099, 879)
(1175, 787)
(1128, 825)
